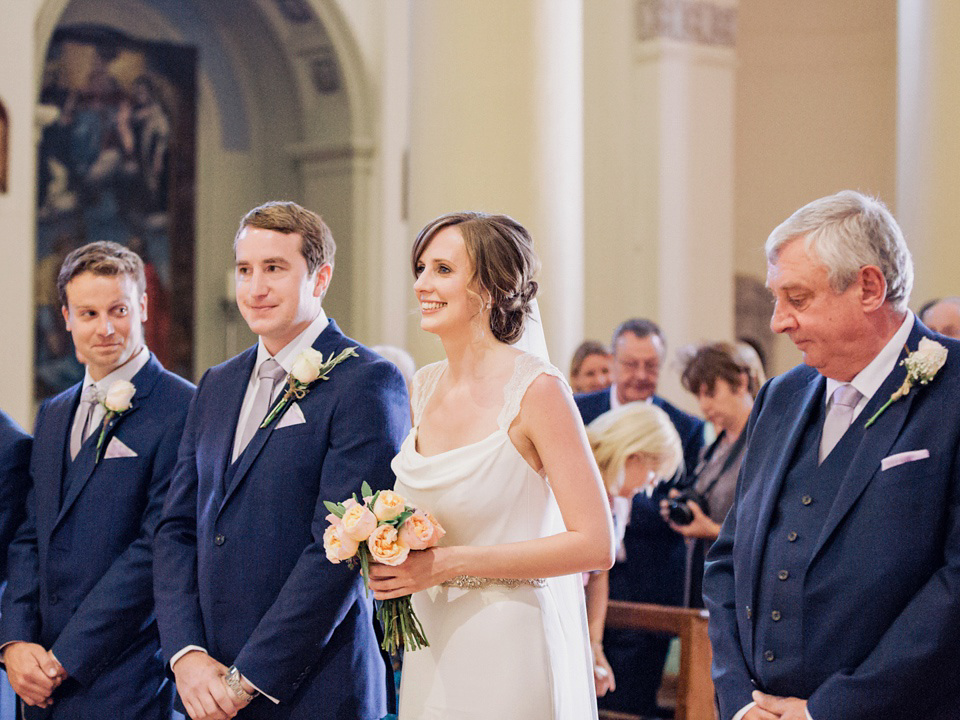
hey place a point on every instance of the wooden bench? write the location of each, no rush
(694, 686)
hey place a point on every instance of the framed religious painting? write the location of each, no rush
(116, 161)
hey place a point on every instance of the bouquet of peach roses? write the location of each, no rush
(384, 529)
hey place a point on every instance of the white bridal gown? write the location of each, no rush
(497, 652)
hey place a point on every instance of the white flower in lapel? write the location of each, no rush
(116, 402)
(922, 365)
(307, 369)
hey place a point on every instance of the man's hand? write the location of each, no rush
(784, 708)
(200, 682)
(33, 672)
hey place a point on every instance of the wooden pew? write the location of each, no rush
(694, 686)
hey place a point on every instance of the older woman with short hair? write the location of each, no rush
(725, 378)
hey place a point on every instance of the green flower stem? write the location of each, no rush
(899, 393)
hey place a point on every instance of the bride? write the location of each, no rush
(498, 454)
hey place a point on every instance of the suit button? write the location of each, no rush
(792, 536)
(783, 575)
(749, 613)
(775, 615)
(806, 499)
(769, 656)
(219, 539)
(54, 599)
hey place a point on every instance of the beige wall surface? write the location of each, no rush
(815, 113)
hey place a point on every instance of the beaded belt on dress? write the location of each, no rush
(470, 582)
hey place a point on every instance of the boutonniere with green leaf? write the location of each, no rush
(922, 365)
(116, 403)
(308, 368)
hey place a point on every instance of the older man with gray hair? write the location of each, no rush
(834, 587)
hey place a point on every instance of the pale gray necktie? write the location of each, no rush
(839, 417)
(81, 421)
(269, 374)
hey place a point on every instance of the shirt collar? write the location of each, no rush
(869, 380)
(288, 354)
(615, 401)
(127, 372)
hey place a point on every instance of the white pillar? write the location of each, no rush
(497, 125)
(684, 68)
(928, 143)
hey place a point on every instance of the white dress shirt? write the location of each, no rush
(127, 372)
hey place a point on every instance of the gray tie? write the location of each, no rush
(81, 421)
(839, 417)
(269, 374)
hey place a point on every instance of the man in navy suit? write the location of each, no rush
(242, 579)
(834, 587)
(650, 566)
(78, 630)
(14, 482)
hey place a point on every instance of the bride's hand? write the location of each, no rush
(421, 569)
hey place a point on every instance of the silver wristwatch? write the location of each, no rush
(233, 682)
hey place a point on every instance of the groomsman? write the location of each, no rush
(78, 632)
(14, 482)
(242, 579)
(834, 587)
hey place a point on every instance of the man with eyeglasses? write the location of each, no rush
(651, 558)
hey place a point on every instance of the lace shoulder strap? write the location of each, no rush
(424, 383)
(527, 369)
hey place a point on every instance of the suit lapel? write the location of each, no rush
(872, 444)
(143, 381)
(791, 428)
(330, 340)
(221, 435)
(61, 419)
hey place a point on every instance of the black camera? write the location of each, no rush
(677, 508)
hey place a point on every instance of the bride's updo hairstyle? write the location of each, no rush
(504, 264)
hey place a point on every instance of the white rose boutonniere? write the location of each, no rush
(922, 365)
(116, 402)
(308, 368)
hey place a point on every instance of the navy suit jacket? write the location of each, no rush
(14, 482)
(881, 593)
(80, 572)
(690, 428)
(241, 570)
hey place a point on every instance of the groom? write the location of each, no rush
(241, 576)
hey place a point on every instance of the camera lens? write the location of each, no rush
(678, 511)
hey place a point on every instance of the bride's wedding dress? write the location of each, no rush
(499, 650)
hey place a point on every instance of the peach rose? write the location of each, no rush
(385, 547)
(388, 505)
(338, 545)
(416, 532)
(358, 522)
(438, 531)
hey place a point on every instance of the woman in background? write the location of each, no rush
(636, 446)
(590, 367)
(725, 378)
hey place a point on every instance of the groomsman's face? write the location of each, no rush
(276, 294)
(105, 318)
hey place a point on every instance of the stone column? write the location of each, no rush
(668, 250)
(928, 143)
(497, 125)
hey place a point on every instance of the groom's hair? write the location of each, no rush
(101, 258)
(282, 216)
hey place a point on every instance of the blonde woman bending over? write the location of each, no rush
(636, 445)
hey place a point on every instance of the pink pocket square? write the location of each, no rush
(117, 449)
(904, 457)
